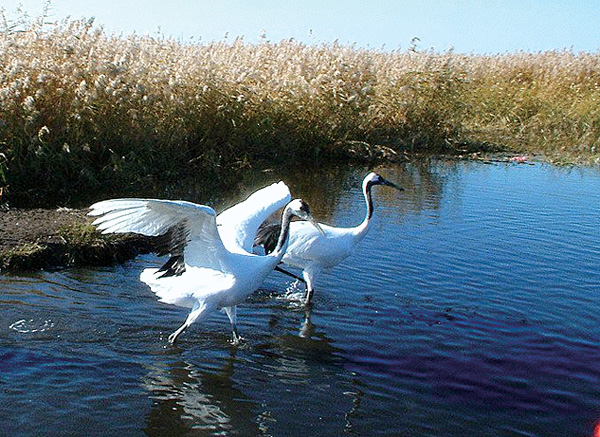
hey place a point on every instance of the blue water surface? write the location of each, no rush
(471, 308)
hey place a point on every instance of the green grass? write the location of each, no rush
(82, 111)
(24, 257)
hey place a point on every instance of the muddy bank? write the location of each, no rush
(33, 239)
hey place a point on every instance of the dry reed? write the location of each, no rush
(80, 108)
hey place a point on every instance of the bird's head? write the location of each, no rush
(376, 179)
(300, 209)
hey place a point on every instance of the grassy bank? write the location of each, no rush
(81, 245)
(36, 238)
(81, 109)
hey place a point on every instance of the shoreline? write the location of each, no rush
(105, 112)
(50, 239)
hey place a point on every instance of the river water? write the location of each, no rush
(471, 308)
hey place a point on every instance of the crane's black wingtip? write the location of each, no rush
(175, 266)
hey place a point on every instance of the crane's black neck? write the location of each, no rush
(369, 199)
(286, 218)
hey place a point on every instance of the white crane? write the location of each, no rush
(313, 251)
(205, 271)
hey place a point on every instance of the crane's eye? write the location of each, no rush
(304, 208)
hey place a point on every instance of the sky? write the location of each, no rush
(479, 26)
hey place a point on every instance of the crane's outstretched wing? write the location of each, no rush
(238, 224)
(183, 223)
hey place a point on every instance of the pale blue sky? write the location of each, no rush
(482, 26)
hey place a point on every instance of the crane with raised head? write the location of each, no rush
(314, 251)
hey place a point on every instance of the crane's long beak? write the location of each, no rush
(316, 224)
(391, 184)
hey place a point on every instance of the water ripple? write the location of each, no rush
(471, 308)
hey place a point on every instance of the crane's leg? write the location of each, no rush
(232, 314)
(285, 272)
(309, 287)
(200, 310)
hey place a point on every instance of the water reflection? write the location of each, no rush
(334, 194)
(294, 341)
(423, 183)
(308, 329)
(300, 364)
(240, 392)
(326, 190)
(185, 398)
(322, 187)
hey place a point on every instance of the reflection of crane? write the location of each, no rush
(188, 398)
(313, 251)
(202, 273)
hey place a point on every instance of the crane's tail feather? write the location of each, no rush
(267, 236)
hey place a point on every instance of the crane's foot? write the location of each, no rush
(236, 340)
(173, 338)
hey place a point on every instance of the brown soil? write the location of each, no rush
(22, 226)
(33, 239)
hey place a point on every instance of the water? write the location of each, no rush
(471, 308)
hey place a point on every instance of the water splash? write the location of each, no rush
(31, 325)
(294, 293)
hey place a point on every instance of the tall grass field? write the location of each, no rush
(82, 109)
